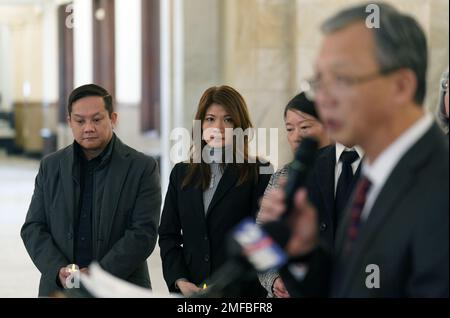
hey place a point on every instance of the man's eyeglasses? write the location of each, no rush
(339, 83)
(444, 84)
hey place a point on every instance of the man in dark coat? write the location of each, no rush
(95, 200)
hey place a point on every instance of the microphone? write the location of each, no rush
(261, 246)
(299, 170)
(250, 250)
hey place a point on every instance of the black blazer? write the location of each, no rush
(125, 215)
(193, 246)
(405, 235)
(321, 191)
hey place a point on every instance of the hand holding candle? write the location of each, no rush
(65, 272)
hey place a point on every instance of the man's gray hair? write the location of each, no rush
(441, 115)
(400, 41)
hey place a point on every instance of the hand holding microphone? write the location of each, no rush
(297, 225)
(304, 226)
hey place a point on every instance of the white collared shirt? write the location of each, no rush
(379, 171)
(340, 148)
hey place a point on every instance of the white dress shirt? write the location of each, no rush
(380, 170)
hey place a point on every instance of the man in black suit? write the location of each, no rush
(95, 200)
(336, 171)
(393, 240)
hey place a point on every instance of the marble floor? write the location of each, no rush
(18, 275)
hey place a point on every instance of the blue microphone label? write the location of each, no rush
(259, 248)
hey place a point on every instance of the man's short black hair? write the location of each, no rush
(91, 90)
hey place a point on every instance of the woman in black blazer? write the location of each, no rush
(209, 195)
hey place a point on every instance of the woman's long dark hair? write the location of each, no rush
(199, 174)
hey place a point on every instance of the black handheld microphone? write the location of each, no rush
(298, 173)
(299, 170)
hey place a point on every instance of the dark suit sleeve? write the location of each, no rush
(37, 237)
(430, 253)
(170, 237)
(140, 237)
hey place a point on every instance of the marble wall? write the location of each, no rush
(202, 52)
(260, 59)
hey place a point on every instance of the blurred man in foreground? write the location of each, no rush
(369, 87)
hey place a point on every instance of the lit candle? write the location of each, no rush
(72, 268)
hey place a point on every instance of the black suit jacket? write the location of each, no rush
(193, 245)
(321, 191)
(125, 215)
(405, 235)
